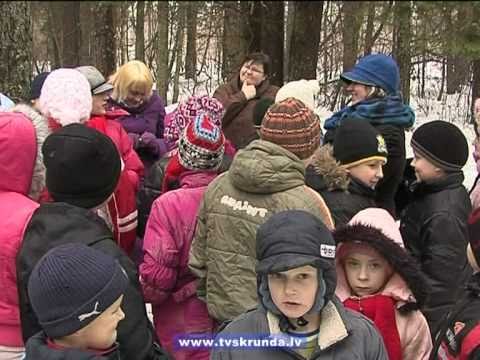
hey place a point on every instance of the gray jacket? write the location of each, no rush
(343, 335)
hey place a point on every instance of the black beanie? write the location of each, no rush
(37, 84)
(83, 166)
(357, 141)
(260, 110)
(442, 143)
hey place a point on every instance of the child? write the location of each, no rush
(376, 277)
(296, 284)
(347, 176)
(434, 224)
(76, 293)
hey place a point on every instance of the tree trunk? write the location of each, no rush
(105, 58)
(139, 32)
(162, 50)
(402, 46)
(369, 28)
(87, 17)
(191, 54)
(55, 16)
(71, 33)
(352, 20)
(179, 54)
(304, 49)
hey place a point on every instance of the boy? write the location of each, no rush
(76, 293)
(296, 284)
(348, 176)
(434, 224)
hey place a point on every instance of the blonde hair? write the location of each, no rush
(134, 75)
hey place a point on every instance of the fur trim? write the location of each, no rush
(402, 262)
(325, 165)
(41, 133)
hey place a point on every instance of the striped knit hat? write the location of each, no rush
(293, 126)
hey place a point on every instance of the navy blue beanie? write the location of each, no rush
(71, 285)
(375, 70)
(37, 85)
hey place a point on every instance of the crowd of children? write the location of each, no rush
(232, 216)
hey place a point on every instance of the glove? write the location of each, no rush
(135, 139)
(148, 141)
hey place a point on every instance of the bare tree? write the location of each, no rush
(191, 55)
(105, 44)
(139, 32)
(162, 50)
(181, 15)
(401, 44)
(71, 33)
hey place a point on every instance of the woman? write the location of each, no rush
(240, 95)
(132, 91)
(374, 86)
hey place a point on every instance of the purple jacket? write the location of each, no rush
(166, 280)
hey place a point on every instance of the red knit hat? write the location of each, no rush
(293, 126)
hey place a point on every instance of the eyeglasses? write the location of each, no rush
(252, 69)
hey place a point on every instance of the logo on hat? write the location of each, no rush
(382, 146)
(90, 314)
(327, 251)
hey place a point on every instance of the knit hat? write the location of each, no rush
(83, 166)
(291, 239)
(71, 285)
(356, 142)
(259, 110)
(189, 110)
(98, 84)
(37, 85)
(375, 70)
(430, 141)
(202, 145)
(65, 97)
(293, 126)
(473, 250)
(304, 90)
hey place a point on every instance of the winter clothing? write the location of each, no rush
(263, 179)
(98, 84)
(238, 119)
(66, 97)
(166, 280)
(474, 239)
(288, 240)
(37, 85)
(260, 110)
(60, 223)
(39, 348)
(71, 285)
(475, 190)
(394, 309)
(375, 70)
(345, 196)
(83, 166)
(22, 174)
(429, 141)
(5, 103)
(303, 90)
(434, 229)
(147, 118)
(293, 126)
(357, 142)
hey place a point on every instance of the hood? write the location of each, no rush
(266, 168)
(334, 177)
(21, 138)
(194, 179)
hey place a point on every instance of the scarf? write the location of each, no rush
(381, 310)
(388, 110)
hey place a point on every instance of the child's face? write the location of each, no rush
(425, 171)
(366, 273)
(294, 291)
(369, 172)
(101, 333)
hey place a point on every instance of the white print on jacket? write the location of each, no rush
(243, 206)
(87, 315)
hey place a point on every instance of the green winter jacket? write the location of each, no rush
(263, 179)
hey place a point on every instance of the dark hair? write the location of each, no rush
(259, 58)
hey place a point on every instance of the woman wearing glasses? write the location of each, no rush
(240, 95)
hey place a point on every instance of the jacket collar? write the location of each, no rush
(450, 181)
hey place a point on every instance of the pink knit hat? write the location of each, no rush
(66, 97)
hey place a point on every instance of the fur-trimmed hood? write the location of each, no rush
(407, 285)
(41, 132)
(330, 175)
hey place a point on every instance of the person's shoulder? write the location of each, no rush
(360, 325)
(250, 321)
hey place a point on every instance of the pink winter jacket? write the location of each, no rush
(18, 160)
(166, 280)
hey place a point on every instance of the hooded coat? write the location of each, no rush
(23, 176)
(54, 224)
(263, 179)
(343, 195)
(407, 286)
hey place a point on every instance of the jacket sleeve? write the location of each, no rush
(233, 103)
(198, 252)
(376, 348)
(159, 268)
(133, 164)
(417, 344)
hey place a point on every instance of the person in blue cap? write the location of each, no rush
(374, 87)
(5, 103)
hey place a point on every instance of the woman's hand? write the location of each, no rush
(249, 90)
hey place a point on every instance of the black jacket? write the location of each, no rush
(37, 349)
(344, 196)
(434, 230)
(59, 223)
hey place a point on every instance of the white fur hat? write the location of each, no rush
(66, 97)
(303, 90)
